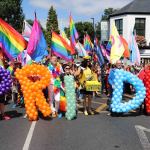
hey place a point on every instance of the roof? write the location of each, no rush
(135, 7)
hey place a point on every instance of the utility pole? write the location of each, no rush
(93, 28)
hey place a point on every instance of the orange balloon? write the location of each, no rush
(33, 79)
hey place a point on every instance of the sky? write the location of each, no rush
(81, 10)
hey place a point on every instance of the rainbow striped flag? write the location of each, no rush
(88, 45)
(65, 37)
(10, 69)
(73, 33)
(12, 42)
(60, 47)
(109, 45)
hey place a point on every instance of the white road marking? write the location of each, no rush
(142, 136)
(29, 136)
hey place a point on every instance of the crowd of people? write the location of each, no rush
(83, 70)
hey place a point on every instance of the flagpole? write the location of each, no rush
(35, 14)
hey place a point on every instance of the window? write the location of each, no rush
(140, 26)
(119, 25)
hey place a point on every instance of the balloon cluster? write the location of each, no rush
(62, 104)
(147, 85)
(123, 107)
(70, 97)
(5, 81)
(33, 79)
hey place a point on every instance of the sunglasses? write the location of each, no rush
(67, 68)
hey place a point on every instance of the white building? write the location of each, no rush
(134, 16)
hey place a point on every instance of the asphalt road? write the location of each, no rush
(98, 132)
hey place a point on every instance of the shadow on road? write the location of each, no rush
(13, 114)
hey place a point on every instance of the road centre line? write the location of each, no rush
(29, 136)
(142, 136)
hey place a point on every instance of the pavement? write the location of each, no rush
(95, 132)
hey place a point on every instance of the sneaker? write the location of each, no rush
(54, 114)
(14, 106)
(86, 113)
(91, 112)
(108, 114)
(25, 116)
(60, 115)
(6, 117)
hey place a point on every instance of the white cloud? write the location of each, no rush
(80, 7)
(43, 23)
(63, 22)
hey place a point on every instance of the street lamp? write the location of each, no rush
(93, 27)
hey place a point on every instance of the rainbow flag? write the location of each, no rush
(109, 45)
(88, 45)
(73, 33)
(65, 37)
(37, 47)
(12, 42)
(60, 47)
(10, 69)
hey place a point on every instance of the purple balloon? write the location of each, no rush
(5, 81)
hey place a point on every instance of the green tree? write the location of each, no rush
(30, 21)
(11, 11)
(52, 24)
(67, 32)
(107, 13)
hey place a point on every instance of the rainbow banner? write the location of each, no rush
(73, 33)
(88, 45)
(11, 41)
(60, 47)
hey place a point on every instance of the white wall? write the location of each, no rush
(128, 24)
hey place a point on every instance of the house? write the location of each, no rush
(135, 16)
